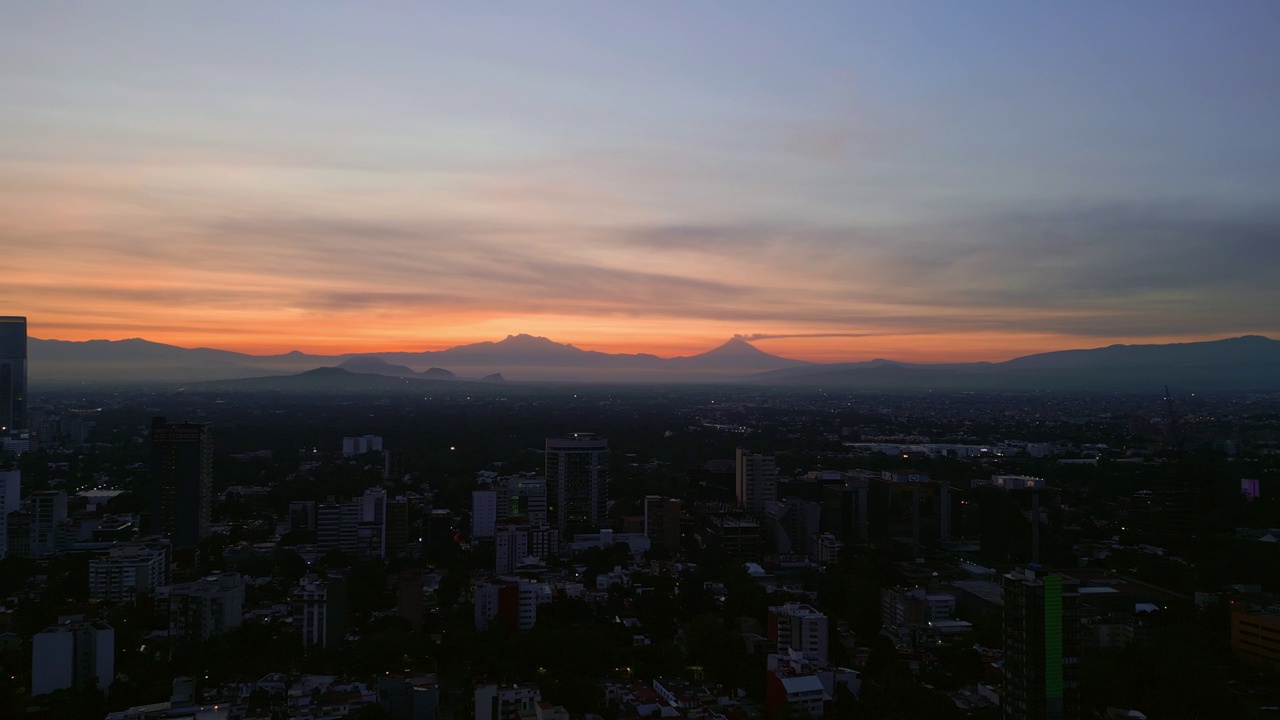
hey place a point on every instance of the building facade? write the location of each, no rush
(321, 610)
(129, 570)
(73, 655)
(181, 481)
(10, 498)
(662, 521)
(577, 473)
(801, 628)
(1255, 635)
(1041, 647)
(206, 607)
(756, 480)
(13, 374)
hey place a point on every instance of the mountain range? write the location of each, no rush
(1242, 363)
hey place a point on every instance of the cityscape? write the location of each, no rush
(563, 360)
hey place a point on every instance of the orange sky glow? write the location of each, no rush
(424, 184)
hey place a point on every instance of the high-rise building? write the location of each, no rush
(397, 527)
(488, 507)
(528, 498)
(1041, 647)
(10, 497)
(206, 607)
(756, 480)
(302, 516)
(1012, 514)
(48, 510)
(844, 510)
(793, 525)
(13, 373)
(577, 475)
(909, 507)
(73, 656)
(321, 610)
(181, 480)
(800, 628)
(329, 524)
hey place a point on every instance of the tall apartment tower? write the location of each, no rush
(1041, 647)
(48, 510)
(321, 610)
(662, 521)
(756, 482)
(181, 480)
(13, 373)
(10, 498)
(577, 483)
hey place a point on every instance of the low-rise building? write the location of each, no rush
(129, 569)
(73, 655)
(206, 607)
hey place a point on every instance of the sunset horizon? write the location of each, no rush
(808, 349)
(850, 183)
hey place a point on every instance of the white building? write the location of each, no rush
(827, 549)
(804, 695)
(321, 609)
(355, 527)
(801, 628)
(128, 570)
(509, 601)
(488, 508)
(361, 445)
(73, 655)
(516, 543)
(48, 510)
(500, 702)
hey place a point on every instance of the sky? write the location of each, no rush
(923, 181)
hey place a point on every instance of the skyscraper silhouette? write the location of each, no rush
(13, 373)
(577, 483)
(181, 480)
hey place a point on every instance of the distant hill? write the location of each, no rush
(372, 365)
(322, 380)
(1243, 363)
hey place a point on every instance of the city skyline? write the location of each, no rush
(929, 183)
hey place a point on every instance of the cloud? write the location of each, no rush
(774, 336)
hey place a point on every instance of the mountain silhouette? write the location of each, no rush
(1243, 363)
(372, 365)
